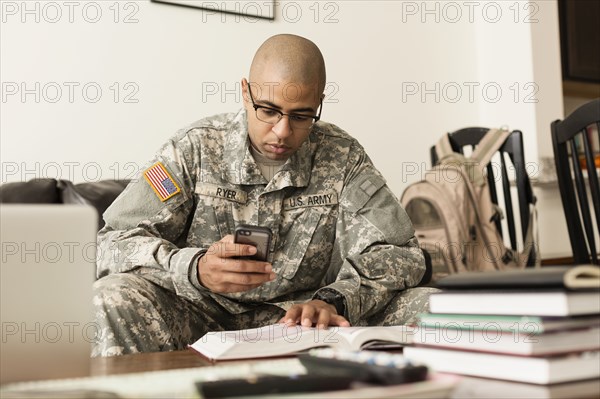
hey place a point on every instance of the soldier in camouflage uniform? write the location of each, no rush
(343, 250)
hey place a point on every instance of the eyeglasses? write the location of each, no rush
(273, 116)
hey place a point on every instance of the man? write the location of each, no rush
(343, 250)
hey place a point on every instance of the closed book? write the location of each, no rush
(534, 303)
(583, 277)
(484, 388)
(534, 370)
(520, 324)
(516, 343)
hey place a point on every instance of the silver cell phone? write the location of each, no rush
(257, 236)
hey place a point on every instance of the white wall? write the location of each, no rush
(400, 74)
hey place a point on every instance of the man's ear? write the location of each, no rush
(245, 94)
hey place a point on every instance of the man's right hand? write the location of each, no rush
(220, 271)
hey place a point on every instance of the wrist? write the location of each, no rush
(333, 298)
(194, 271)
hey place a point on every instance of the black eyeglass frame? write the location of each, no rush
(315, 118)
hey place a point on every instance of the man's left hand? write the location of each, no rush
(315, 312)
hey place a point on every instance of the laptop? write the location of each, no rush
(47, 267)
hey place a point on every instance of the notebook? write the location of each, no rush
(46, 273)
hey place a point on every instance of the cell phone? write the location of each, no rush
(257, 236)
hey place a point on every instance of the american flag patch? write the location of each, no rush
(161, 181)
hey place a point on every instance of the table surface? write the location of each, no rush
(155, 361)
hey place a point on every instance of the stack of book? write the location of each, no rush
(538, 326)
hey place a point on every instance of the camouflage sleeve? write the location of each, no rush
(376, 250)
(143, 231)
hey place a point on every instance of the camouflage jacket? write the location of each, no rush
(336, 224)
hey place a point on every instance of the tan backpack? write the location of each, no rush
(454, 216)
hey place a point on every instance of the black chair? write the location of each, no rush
(513, 149)
(573, 153)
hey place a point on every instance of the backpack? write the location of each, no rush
(454, 217)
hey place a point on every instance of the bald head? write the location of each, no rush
(289, 58)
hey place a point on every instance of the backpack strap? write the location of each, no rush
(532, 239)
(479, 159)
(489, 144)
(443, 147)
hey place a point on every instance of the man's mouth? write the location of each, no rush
(277, 149)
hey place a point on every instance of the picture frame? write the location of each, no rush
(261, 9)
(579, 34)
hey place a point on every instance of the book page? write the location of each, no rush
(270, 333)
(271, 340)
(359, 336)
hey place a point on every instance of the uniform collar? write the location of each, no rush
(241, 167)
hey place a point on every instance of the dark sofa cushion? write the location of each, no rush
(98, 194)
(36, 191)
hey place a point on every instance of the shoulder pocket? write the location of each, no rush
(360, 191)
(137, 203)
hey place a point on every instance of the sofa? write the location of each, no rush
(98, 194)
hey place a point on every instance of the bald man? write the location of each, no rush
(343, 250)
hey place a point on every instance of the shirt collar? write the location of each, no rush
(242, 168)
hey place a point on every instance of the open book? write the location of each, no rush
(282, 339)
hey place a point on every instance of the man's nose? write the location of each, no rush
(282, 128)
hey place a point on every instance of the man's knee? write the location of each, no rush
(128, 317)
(408, 304)
(117, 281)
(405, 307)
(105, 289)
(119, 289)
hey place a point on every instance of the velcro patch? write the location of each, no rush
(326, 198)
(368, 187)
(161, 182)
(226, 193)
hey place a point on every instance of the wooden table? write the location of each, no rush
(148, 362)
(144, 362)
(141, 362)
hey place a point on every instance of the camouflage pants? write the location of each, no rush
(403, 308)
(135, 315)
